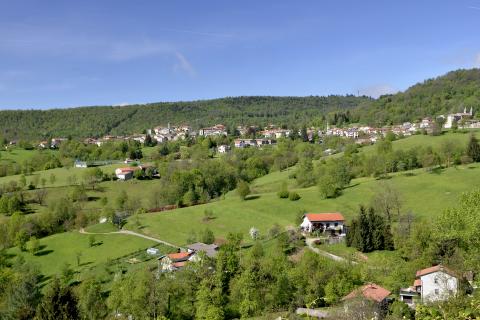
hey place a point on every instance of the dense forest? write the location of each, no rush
(442, 95)
(449, 93)
(99, 121)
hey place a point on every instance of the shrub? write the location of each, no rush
(294, 196)
(283, 194)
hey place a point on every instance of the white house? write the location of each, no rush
(436, 283)
(456, 117)
(333, 223)
(125, 173)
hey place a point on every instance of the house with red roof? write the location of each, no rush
(333, 223)
(371, 296)
(174, 261)
(437, 283)
(370, 291)
(126, 173)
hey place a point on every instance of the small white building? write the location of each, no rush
(81, 164)
(153, 251)
(333, 223)
(125, 173)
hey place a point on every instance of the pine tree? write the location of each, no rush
(59, 303)
(473, 149)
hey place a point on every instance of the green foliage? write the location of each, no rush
(207, 236)
(99, 121)
(294, 196)
(369, 232)
(473, 149)
(243, 189)
(283, 193)
(59, 302)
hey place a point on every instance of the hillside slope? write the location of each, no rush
(442, 95)
(99, 121)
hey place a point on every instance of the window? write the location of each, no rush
(435, 280)
(336, 224)
(328, 225)
(437, 292)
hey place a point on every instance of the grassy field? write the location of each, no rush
(423, 193)
(111, 252)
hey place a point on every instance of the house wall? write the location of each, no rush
(307, 225)
(445, 284)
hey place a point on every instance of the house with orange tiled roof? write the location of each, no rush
(332, 223)
(437, 283)
(174, 261)
(372, 295)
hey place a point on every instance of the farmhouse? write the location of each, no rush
(436, 283)
(174, 261)
(125, 173)
(334, 223)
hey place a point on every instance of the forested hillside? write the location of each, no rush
(442, 95)
(449, 93)
(98, 121)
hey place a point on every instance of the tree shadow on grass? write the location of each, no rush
(352, 186)
(93, 198)
(83, 264)
(97, 243)
(252, 197)
(42, 253)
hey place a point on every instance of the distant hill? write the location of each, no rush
(449, 93)
(99, 121)
(445, 94)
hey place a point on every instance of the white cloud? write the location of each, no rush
(377, 90)
(184, 65)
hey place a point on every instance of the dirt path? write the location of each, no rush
(132, 233)
(311, 245)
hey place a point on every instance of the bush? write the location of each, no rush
(283, 194)
(294, 196)
(243, 189)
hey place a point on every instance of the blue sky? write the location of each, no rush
(113, 52)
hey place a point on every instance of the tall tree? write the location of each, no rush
(473, 148)
(58, 303)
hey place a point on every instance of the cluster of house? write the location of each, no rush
(436, 283)
(433, 284)
(52, 144)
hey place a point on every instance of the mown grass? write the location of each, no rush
(109, 254)
(424, 194)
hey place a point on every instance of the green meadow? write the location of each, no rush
(425, 194)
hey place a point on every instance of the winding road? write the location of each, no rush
(133, 233)
(311, 245)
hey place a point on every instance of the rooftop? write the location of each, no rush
(370, 291)
(319, 217)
